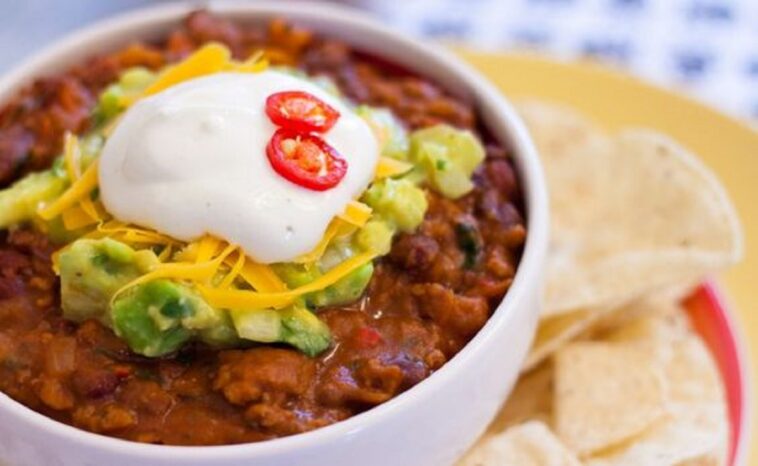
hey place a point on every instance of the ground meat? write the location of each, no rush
(249, 376)
(105, 419)
(427, 298)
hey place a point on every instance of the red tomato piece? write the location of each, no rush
(301, 111)
(305, 159)
(368, 337)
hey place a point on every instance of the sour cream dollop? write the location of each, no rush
(191, 160)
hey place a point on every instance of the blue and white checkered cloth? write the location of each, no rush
(708, 48)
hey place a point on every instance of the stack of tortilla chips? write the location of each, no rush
(617, 375)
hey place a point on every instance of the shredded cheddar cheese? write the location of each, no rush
(212, 265)
(200, 272)
(254, 64)
(75, 218)
(78, 216)
(208, 59)
(206, 247)
(89, 208)
(78, 190)
(243, 299)
(318, 251)
(356, 213)
(131, 234)
(85, 211)
(388, 167)
(261, 277)
(71, 156)
(166, 253)
(234, 271)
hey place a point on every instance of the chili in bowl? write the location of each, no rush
(253, 233)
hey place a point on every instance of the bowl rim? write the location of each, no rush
(528, 274)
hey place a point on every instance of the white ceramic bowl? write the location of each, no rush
(431, 424)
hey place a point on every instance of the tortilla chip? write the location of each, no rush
(692, 429)
(695, 430)
(531, 399)
(672, 443)
(653, 323)
(630, 214)
(636, 223)
(530, 444)
(605, 394)
(692, 374)
(556, 331)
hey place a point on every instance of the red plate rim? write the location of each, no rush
(709, 312)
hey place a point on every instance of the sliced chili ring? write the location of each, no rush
(305, 159)
(301, 111)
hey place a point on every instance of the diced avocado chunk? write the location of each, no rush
(136, 79)
(392, 136)
(223, 334)
(399, 202)
(109, 103)
(448, 157)
(338, 251)
(346, 290)
(92, 271)
(212, 326)
(131, 83)
(294, 325)
(261, 325)
(19, 202)
(376, 236)
(148, 317)
(157, 317)
(295, 275)
(303, 330)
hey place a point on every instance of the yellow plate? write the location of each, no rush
(727, 146)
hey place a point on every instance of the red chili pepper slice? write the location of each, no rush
(305, 159)
(300, 111)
